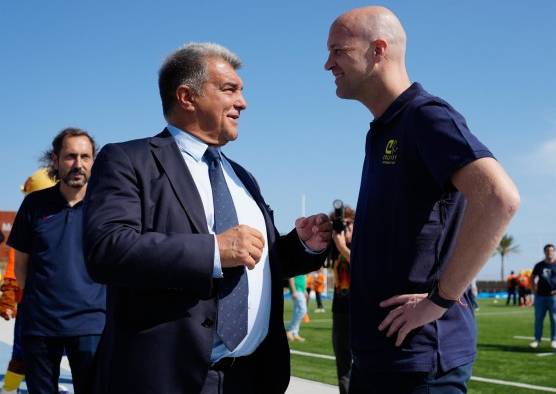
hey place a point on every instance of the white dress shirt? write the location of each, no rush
(248, 213)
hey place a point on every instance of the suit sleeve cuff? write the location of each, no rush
(308, 249)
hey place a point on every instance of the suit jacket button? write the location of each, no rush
(208, 323)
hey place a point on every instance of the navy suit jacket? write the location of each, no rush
(146, 237)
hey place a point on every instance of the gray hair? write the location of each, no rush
(188, 66)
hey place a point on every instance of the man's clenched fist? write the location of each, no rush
(240, 245)
(315, 231)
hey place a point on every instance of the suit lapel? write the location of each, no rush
(168, 155)
(249, 182)
(253, 188)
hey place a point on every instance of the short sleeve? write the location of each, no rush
(21, 233)
(445, 143)
(536, 271)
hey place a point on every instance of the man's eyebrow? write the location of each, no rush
(236, 85)
(337, 46)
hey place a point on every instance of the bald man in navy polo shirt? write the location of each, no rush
(433, 205)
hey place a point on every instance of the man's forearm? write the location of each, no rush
(345, 251)
(483, 226)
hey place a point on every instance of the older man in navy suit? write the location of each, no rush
(188, 248)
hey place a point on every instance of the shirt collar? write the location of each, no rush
(399, 103)
(56, 197)
(188, 143)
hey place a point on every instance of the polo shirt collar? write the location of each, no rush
(188, 143)
(56, 197)
(399, 103)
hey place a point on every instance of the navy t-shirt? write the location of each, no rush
(60, 299)
(546, 274)
(408, 216)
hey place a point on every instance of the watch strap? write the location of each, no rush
(435, 297)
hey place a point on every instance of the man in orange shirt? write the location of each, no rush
(318, 286)
(512, 281)
(524, 289)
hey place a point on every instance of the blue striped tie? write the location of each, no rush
(233, 288)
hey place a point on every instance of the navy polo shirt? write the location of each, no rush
(60, 299)
(408, 216)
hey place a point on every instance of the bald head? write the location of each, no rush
(376, 23)
(366, 55)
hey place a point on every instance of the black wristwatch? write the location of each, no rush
(437, 299)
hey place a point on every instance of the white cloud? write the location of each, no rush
(546, 156)
(540, 161)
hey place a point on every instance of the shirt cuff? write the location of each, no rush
(309, 250)
(217, 268)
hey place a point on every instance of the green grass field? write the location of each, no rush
(500, 355)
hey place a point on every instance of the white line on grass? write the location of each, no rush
(514, 384)
(500, 313)
(530, 338)
(475, 378)
(545, 354)
(478, 314)
(326, 357)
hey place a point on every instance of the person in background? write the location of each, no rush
(524, 289)
(544, 287)
(512, 281)
(307, 293)
(319, 282)
(298, 285)
(62, 308)
(341, 256)
(474, 294)
(11, 296)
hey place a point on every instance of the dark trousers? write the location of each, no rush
(231, 377)
(17, 350)
(511, 295)
(453, 381)
(522, 296)
(340, 342)
(42, 356)
(319, 300)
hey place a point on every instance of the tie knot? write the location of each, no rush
(212, 154)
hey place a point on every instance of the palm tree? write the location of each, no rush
(505, 247)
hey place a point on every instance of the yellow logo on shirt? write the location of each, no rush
(390, 153)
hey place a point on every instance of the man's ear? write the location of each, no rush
(185, 98)
(379, 47)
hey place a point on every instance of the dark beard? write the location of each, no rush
(72, 183)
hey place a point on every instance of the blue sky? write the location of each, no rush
(94, 64)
